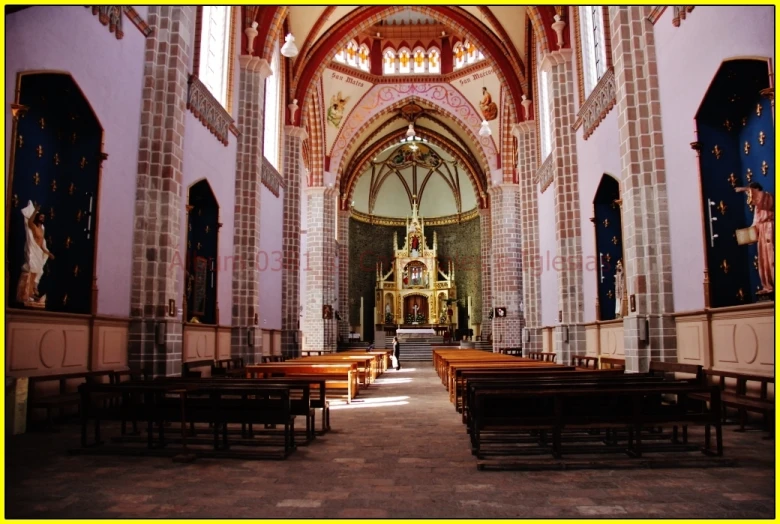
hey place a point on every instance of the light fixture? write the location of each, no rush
(289, 48)
(410, 132)
(485, 129)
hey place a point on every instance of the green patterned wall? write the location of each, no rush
(369, 244)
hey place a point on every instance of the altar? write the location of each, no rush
(415, 291)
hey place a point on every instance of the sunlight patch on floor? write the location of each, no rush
(399, 380)
(378, 402)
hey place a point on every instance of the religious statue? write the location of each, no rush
(35, 255)
(619, 289)
(764, 223)
(415, 243)
(388, 310)
(488, 107)
(416, 307)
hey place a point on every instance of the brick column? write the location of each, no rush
(157, 260)
(320, 333)
(525, 133)
(246, 234)
(343, 291)
(292, 162)
(569, 336)
(507, 265)
(646, 236)
(486, 240)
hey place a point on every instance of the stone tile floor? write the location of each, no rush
(400, 452)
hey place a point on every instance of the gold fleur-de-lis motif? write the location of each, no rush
(53, 185)
(71, 188)
(608, 257)
(36, 179)
(725, 266)
(83, 162)
(51, 213)
(65, 300)
(615, 240)
(76, 271)
(717, 151)
(39, 149)
(761, 137)
(747, 147)
(741, 295)
(15, 200)
(609, 294)
(20, 140)
(606, 222)
(764, 168)
(722, 207)
(744, 121)
(68, 242)
(758, 109)
(42, 122)
(199, 246)
(207, 229)
(749, 175)
(56, 159)
(727, 124)
(755, 262)
(732, 180)
(79, 214)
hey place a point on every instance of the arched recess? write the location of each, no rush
(310, 67)
(200, 292)
(735, 128)
(53, 194)
(607, 220)
(348, 182)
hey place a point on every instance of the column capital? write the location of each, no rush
(522, 128)
(264, 68)
(296, 132)
(555, 58)
(247, 62)
(504, 187)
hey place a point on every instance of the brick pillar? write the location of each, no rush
(486, 241)
(507, 265)
(292, 162)
(525, 133)
(646, 238)
(320, 333)
(246, 235)
(343, 291)
(157, 260)
(569, 336)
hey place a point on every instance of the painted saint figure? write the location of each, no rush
(764, 222)
(619, 289)
(488, 107)
(35, 255)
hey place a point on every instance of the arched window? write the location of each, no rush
(352, 53)
(544, 110)
(459, 55)
(341, 56)
(471, 52)
(388, 64)
(363, 58)
(272, 114)
(404, 61)
(214, 59)
(419, 60)
(594, 53)
(434, 60)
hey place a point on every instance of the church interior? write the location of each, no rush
(255, 256)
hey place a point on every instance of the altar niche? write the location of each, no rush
(414, 286)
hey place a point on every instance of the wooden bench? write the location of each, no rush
(265, 359)
(544, 357)
(66, 394)
(518, 352)
(612, 363)
(340, 376)
(585, 361)
(228, 366)
(189, 369)
(736, 393)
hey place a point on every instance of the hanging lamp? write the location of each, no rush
(289, 49)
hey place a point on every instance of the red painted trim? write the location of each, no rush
(376, 57)
(264, 20)
(446, 56)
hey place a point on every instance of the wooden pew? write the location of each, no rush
(585, 361)
(342, 376)
(612, 363)
(66, 396)
(367, 364)
(189, 369)
(545, 357)
(265, 359)
(736, 394)
(228, 366)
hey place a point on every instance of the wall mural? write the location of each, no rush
(53, 204)
(737, 149)
(444, 96)
(336, 109)
(340, 94)
(483, 90)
